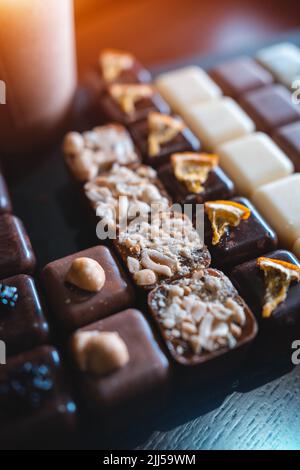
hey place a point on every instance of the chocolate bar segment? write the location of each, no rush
(161, 135)
(75, 304)
(92, 152)
(35, 405)
(288, 138)
(142, 374)
(201, 318)
(16, 254)
(5, 202)
(23, 325)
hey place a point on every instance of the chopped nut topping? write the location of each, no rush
(162, 129)
(125, 193)
(193, 169)
(208, 317)
(97, 150)
(99, 352)
(225, 214)
(166, 245)
(113, 62)
(87, 274)
(128, 95)
(278, 277)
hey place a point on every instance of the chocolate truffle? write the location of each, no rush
(160, 248)
(204, 323)
(23, 325)
(270, 107)
(35, 404)
(139, 378)
(251, 237)
(238, 76)
(161, 135)
(16, 254)
(120, 67)
(288, 138)
(128, 104)
(92, 152)
(5, 202)
(73, 306)
(216, 184)
(250, 281)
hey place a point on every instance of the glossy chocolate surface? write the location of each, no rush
(184, 141)
(22, 326)
(5, 202)
(74, 307)
(249, 281)
(145, 374)
(238, 76)
(16, 254)
(270, 107)
(111, 111)
(217, 186)
(288, 138)
(34, 401)
(252, 237)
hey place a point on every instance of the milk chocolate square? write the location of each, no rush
(23, 324)
(288, 138)
(252, 237)
(74, 307)
(16, 254)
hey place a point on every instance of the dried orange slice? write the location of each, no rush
(113, 62)
(162, 129)
(128, 95)
(224, 214)
(278, 277)
(193, 169)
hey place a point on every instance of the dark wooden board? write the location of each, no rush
(258, 410)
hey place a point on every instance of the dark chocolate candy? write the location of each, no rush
(288, 138)
(16, 254)
(252, 237)
(74, 307)
(22, 322)
(141, 379)
(217, 186)
(271, 107)
(249, 280)
(238, 76)
(34, 401)
(5, 202)
(188, 313)
(184, 141)
(112, 111)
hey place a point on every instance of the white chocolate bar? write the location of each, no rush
(282, 60)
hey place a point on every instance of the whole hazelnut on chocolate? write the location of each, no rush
(87, 274)
(99, 352)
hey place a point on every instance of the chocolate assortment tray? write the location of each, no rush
(168, 341)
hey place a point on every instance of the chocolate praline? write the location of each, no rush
(5, 202)
(252, 237)
(23, 325)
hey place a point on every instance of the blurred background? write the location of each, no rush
(167, 30)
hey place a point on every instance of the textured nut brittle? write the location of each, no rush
(199, 314)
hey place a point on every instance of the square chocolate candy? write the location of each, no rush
(23, 324)
(270, 107)
(207, 184)
(5, 202)
(205, 324)
(161, 135)
(35, 405)
(117, 66)
(251, 237)
(288, 138)
(16, 254)
(86, 287)
(119, 363)
(238, 76)
(250, 281)
(128, 104)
